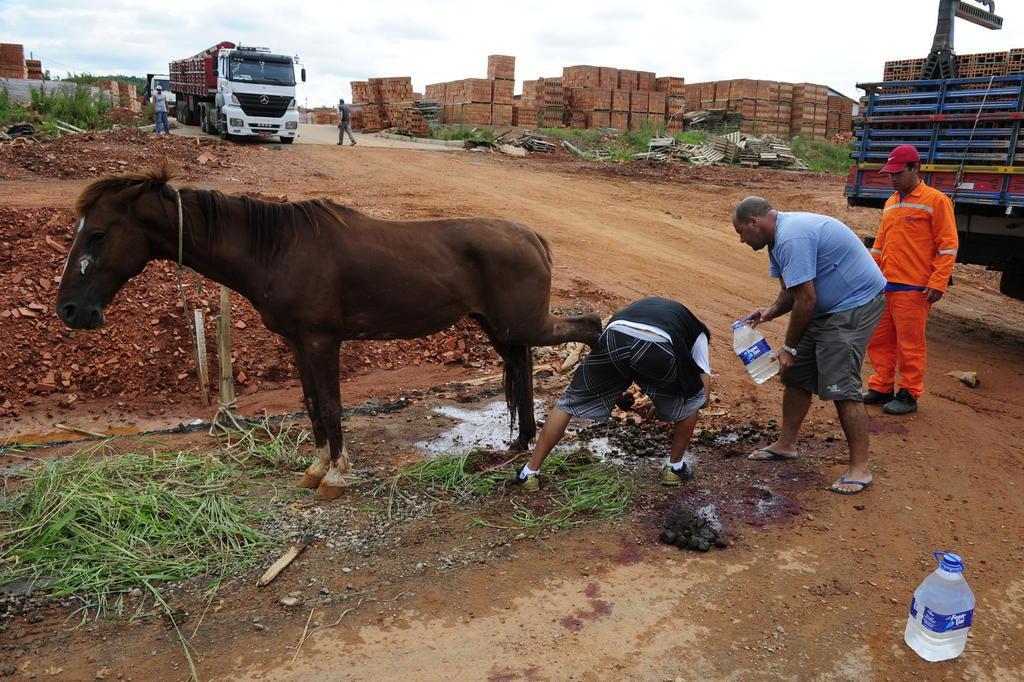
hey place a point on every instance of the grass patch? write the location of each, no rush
(585, 489)
(822, 156)
(578, 487)
(276, 447)
(97, 525)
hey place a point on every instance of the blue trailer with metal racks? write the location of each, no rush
(968, 132)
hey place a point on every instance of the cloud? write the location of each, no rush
(449, 39)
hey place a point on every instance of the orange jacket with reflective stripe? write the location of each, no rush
(917, 241)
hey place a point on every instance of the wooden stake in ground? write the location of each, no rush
(286, 558)
(226, 419)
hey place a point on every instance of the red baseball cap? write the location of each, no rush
(900, 157)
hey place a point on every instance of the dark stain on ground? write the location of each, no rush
(593, 591)
(629, 554)
(531, 673)
(572, 623)
(599, 608)
(880, 426)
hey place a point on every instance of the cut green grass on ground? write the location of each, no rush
(462, 132)
(578, 487)
(97, 525)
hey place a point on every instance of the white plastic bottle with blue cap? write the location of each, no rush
(941, 611)
(752, 348)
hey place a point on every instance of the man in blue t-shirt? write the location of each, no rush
(833, 290)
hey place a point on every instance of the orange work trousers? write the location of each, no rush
(898, 344)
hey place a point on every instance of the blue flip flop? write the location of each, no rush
(772, 455)
(843, 481)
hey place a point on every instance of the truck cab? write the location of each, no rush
(255, 94)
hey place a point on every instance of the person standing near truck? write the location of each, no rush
(160, 111)
(344, 123)
(915, 248)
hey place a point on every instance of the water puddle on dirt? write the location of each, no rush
(487, 428)
(728, 490)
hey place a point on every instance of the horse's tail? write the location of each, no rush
(547, 247)
(518, 376)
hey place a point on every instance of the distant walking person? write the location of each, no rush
(344, 122)
(915, 248)
(160, 109)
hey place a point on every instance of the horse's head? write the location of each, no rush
(111, 243)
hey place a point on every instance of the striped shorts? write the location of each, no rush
(618, 361)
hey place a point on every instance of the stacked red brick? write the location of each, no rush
(128, 98)
(479, 101)
(840, 117)
(12, 61)
(766, 106)
(34, 69)
(979, 65)
(601, 96)
(810, 110)
(501, 69)
(382, 102)
(326, 116)
(675, 99)
(113, 88)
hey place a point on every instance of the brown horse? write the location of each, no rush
(319, 273)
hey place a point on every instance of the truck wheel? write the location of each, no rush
(224, 135)
(204, 119)
(1012, 284)
(287, 140)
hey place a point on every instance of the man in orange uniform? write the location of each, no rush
(915, 248)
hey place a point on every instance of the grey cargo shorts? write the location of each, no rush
(830, 355)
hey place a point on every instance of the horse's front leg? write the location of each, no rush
(321, 354)
(322, 456)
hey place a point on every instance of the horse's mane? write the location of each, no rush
(269, 222)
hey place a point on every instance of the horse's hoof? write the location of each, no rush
(518, 446)
(329, 492)
(308, 481)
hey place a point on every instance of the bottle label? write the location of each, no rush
(754, 352)
(937, 622)
(913, 607)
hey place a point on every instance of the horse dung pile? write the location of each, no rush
(689, 529)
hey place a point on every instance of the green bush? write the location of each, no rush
(822, 156)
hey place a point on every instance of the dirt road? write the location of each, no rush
(822, 595)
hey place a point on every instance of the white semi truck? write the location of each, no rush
(237, 91)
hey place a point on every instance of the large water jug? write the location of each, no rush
(941, 611)
(752, 348)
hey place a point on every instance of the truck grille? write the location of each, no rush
(254, 104)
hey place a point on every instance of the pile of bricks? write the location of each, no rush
(810, 110)
(840, 117)
(766, 106)
(325, 116)
(380, 101)
(34, 69)
(479, 101)
(112, 87)
(12, 61)
(979, 65)
(775, 108)
(128, 98)
(597, 97)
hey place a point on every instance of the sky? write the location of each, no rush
(832, 42)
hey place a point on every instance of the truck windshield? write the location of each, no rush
(162, 83)
(259, 71)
